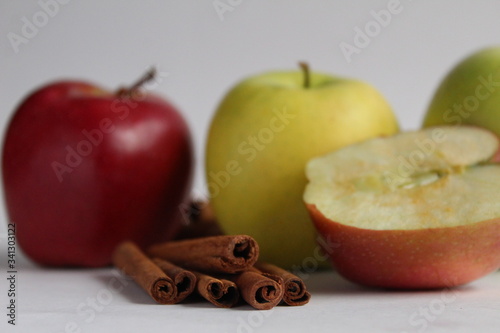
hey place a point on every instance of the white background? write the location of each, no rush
(112, 42)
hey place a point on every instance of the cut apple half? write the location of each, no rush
(417, 210)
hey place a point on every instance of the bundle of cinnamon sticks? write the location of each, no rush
(222, 269)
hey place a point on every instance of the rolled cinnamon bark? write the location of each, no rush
(295, 289)
(259, 291)
(220, 292)
(184, 281)
(217, 254)
(201, 221)
(129, 259)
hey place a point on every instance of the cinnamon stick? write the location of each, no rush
(220, 292)
(259, 291)
(132, 261)
(184, 281)
(217, 254)
(295, 289)
(201, 221)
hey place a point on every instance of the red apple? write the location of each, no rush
(416, 210)
(85, 168)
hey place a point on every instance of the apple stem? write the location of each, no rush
(146, 77)
(307, 75)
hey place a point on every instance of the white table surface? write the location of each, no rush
(102, 300)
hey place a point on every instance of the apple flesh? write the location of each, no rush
(416, 210)
(263, 133)
(84, 169)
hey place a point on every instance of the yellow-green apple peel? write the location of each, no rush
(264, 131)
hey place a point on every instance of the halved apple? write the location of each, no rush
(417, 210)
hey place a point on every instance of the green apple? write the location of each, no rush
(263, 133)
(470, 93)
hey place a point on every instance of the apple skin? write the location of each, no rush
(128, 186)
(256, 186)
(411, 259)
(469, 94)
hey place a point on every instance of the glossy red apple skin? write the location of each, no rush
(129, 186)
(411, 259)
